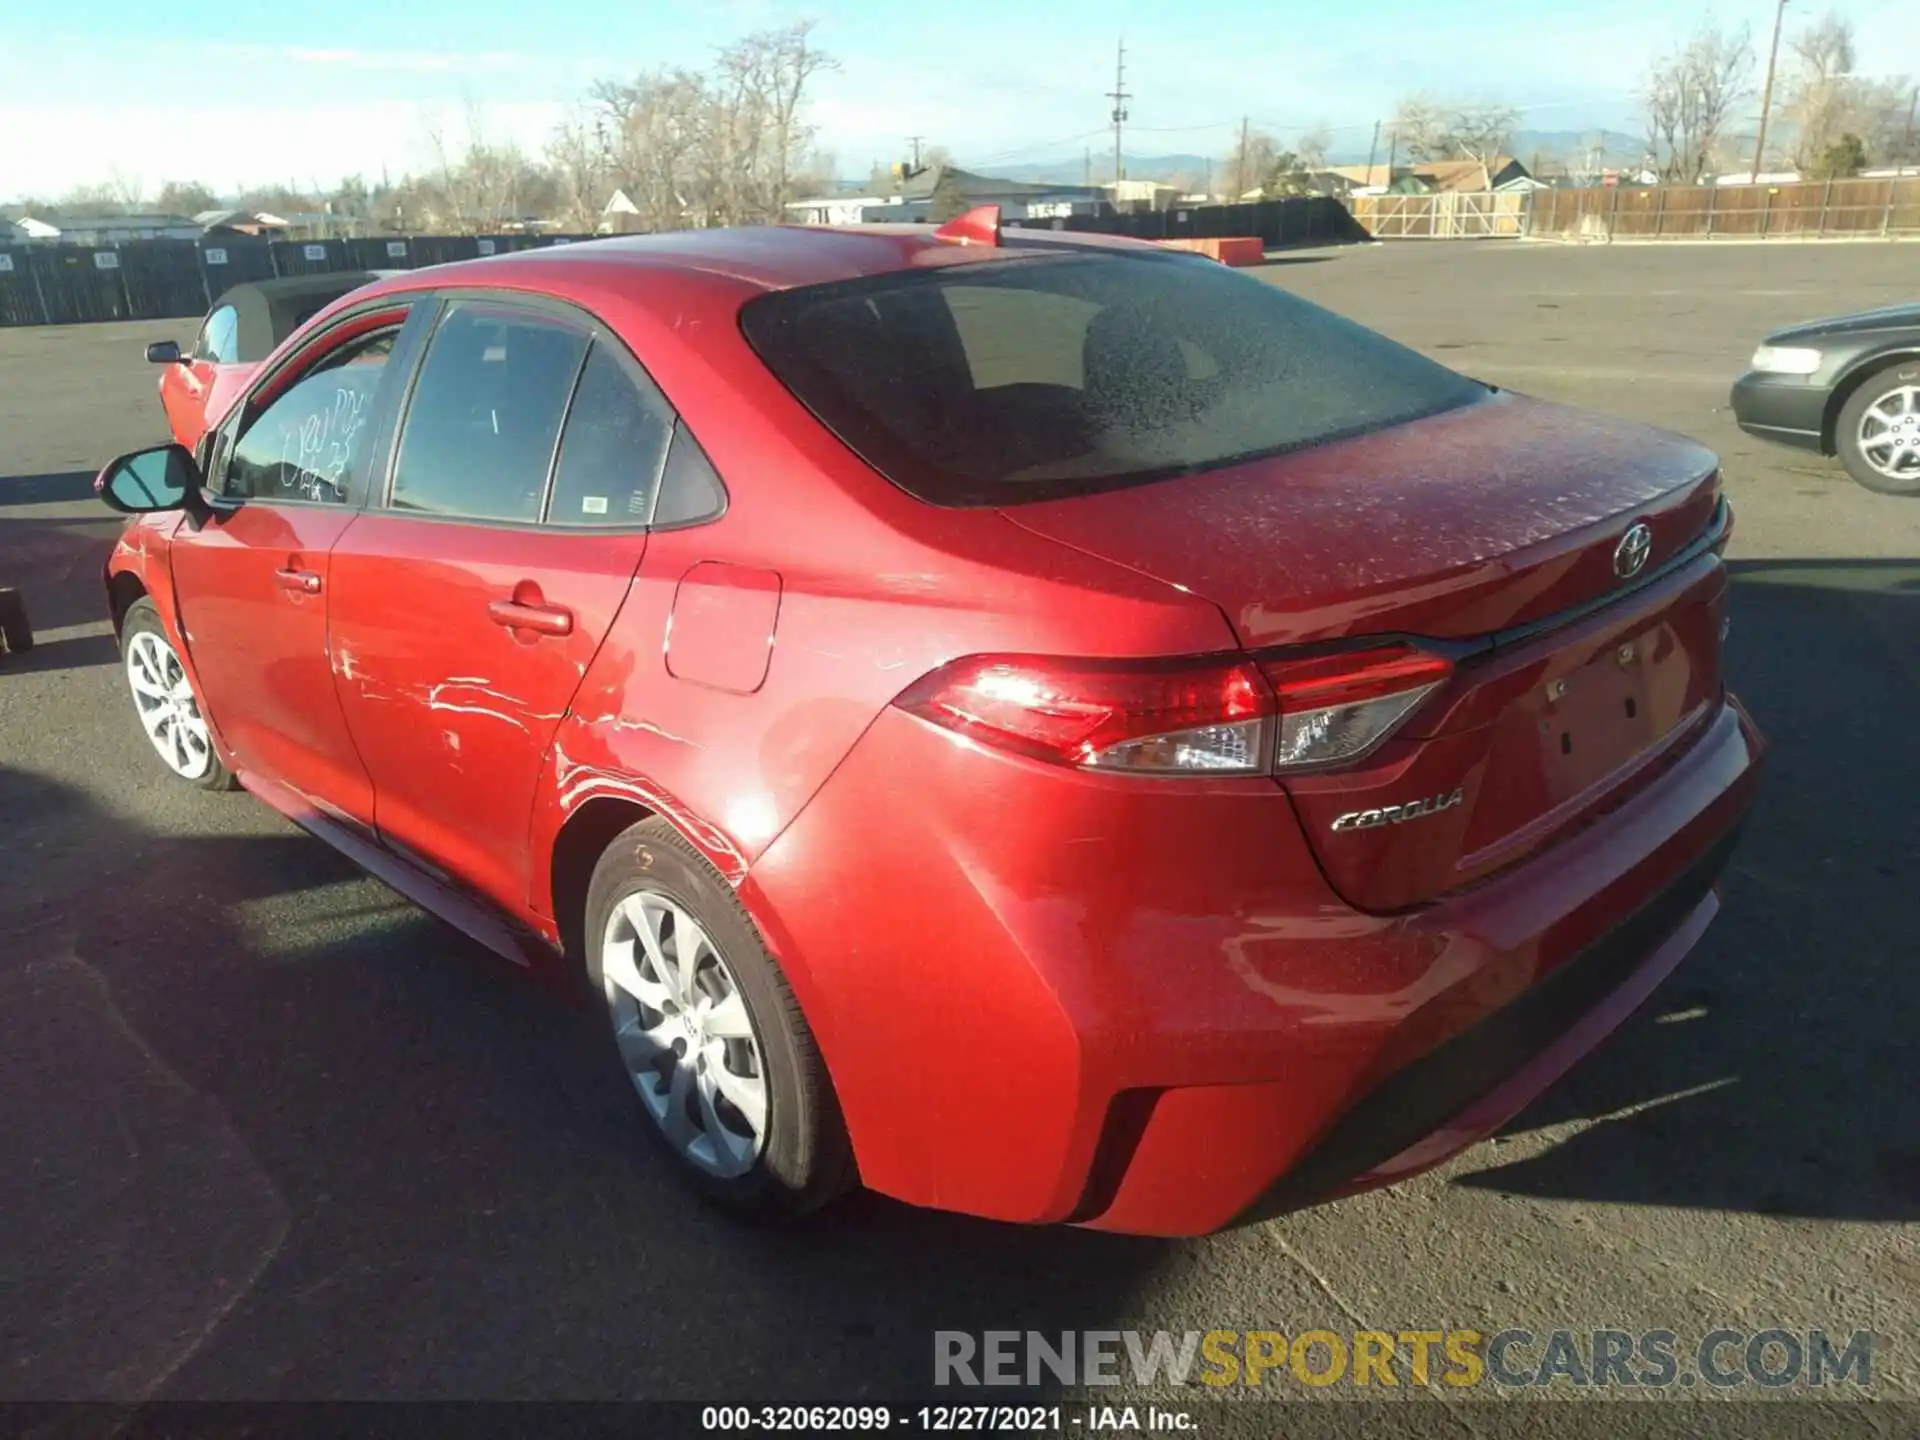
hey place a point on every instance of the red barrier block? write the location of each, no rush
(1227, 249)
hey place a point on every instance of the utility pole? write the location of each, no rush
(1240, 170)
(1766, 92)
(1119, 96)
(1373, 150)
(914, 140)
(1086, 174)
(1906, 141)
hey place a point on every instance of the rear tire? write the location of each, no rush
(728, 1079)
(1895, 392)
(164, 702)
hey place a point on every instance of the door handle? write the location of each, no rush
(543, 619)
(305, 581)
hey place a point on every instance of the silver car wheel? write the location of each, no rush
(164, 701)
(683, 1029)
(1889, 433)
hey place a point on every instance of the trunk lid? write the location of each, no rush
(1493, 530)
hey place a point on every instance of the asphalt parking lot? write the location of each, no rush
(267, 1131)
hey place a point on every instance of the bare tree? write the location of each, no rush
(178, 197)
(1432, 130)
(1249, 165)
(788, 61)
(92, 200)
(1312, 148)
(1827, 101)
(1689, 96)
(1821, 91)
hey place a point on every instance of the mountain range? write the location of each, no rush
(1617, 147)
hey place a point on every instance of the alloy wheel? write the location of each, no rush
(684, 1031)
(1889, 433)
(168, 711)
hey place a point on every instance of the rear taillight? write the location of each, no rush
(1335, 708)
(1185, 717)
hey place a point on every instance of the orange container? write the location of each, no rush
(1227, 249)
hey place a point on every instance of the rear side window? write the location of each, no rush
(485, 415)
(1027, 379)
(614, 446)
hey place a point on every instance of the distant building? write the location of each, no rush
(913, 198)
(82, 229)
(1153, 194)
(1500, 172)
(1765, 177)
(620, 215)
(258, 223)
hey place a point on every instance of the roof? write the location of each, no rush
(208, 219)
(134, 220)
(1463, 174)
(270, 310)
(1360, 174)
(772, 257)
(985, 187)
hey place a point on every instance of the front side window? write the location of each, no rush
(480, 431)
(1029, 378)
(613, 448)
(312, 442)
(219, 341)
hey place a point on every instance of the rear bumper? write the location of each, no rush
(1046, 995)
(1787, 409)
(1467, 1087)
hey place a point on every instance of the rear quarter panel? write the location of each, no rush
(874, 590)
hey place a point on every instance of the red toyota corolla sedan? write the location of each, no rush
(1038, 725)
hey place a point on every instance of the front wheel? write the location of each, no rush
(164, 701)
(1878, 432)
(707, 1032)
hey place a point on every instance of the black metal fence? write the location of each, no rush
(168, 279)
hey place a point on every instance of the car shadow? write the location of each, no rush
(72, 652)
(54, 561)
(295, 1139)
(66, 486)
(1775, 1071)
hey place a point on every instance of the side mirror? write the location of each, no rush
(165, 352)
(148, 481)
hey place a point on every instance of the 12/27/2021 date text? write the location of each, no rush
(942, 1419)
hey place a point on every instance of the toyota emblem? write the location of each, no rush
(1630, 555)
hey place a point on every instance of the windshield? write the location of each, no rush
(1029, 379)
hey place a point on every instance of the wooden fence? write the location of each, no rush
(1806, 210)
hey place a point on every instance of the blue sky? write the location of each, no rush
(236, 94)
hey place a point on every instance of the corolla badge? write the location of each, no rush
(1630, 555)
(1399, 814)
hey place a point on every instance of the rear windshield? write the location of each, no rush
(1029, 379)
